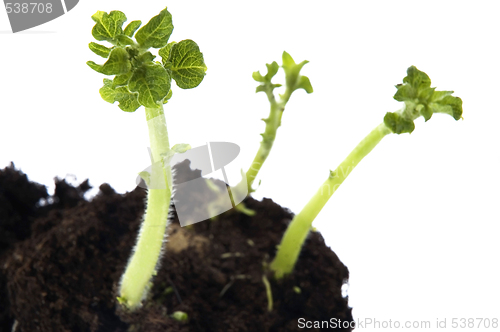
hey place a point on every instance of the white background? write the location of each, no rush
(416, 222)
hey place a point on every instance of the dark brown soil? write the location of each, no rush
(60, 264)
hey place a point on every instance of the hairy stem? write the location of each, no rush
(298, 229)
(142, 265)
(273, 122)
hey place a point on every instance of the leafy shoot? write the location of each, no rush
(139, 80)
(420, 100)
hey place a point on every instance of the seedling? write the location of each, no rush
(419, 100)
(141, 81)
(294, 82)
(180, 316)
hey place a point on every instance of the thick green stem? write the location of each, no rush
(273, 122)
(142, 265)
(298, 229)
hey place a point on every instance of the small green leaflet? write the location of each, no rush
(107, 92)
(187, 64)
(398, 124)
(131, 28)
(157, 31)
(181, 147)
(164, 52)
(177, 148)
(118, 63)
(444, 102)
(272, 69)
(127, 100)
(146, 57)
(99, 49)
(108, 26)
(152, 82)
(124, 40)
(420, 100)
(305, 83)
(169, 95)
(123, 79)
(292, 72)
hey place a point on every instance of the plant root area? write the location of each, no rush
(61, 262)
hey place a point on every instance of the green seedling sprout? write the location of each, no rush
(419, 100)
(180, 316)
(294, 81)
(141, 81)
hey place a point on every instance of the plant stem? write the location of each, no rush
(273, 122)
(142, 265)
(298, 229)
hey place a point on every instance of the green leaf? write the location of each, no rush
(123, 79)
(107, 91)
(292, 71)
(157, 31)
(169, 95)
(164, 52)
(405, 92)
(99, 49)
(108, 26)
(267, 86)
(256, 75)
(261, 88)
(177, 148)
(131, 28)
(439, 95)
(417, 79)
(132, 52)
(426, 112)
(181, 148)
(456, 106)
(127, 100)
(118, 63)
(146, 57)
(188, 67)
(397, 124)
(422, 100)
(449, 105)
(94, 66)
(416, 84)
(272, 69)
(425, 93)
(152, 82)
(124, 40)
(305, 84)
